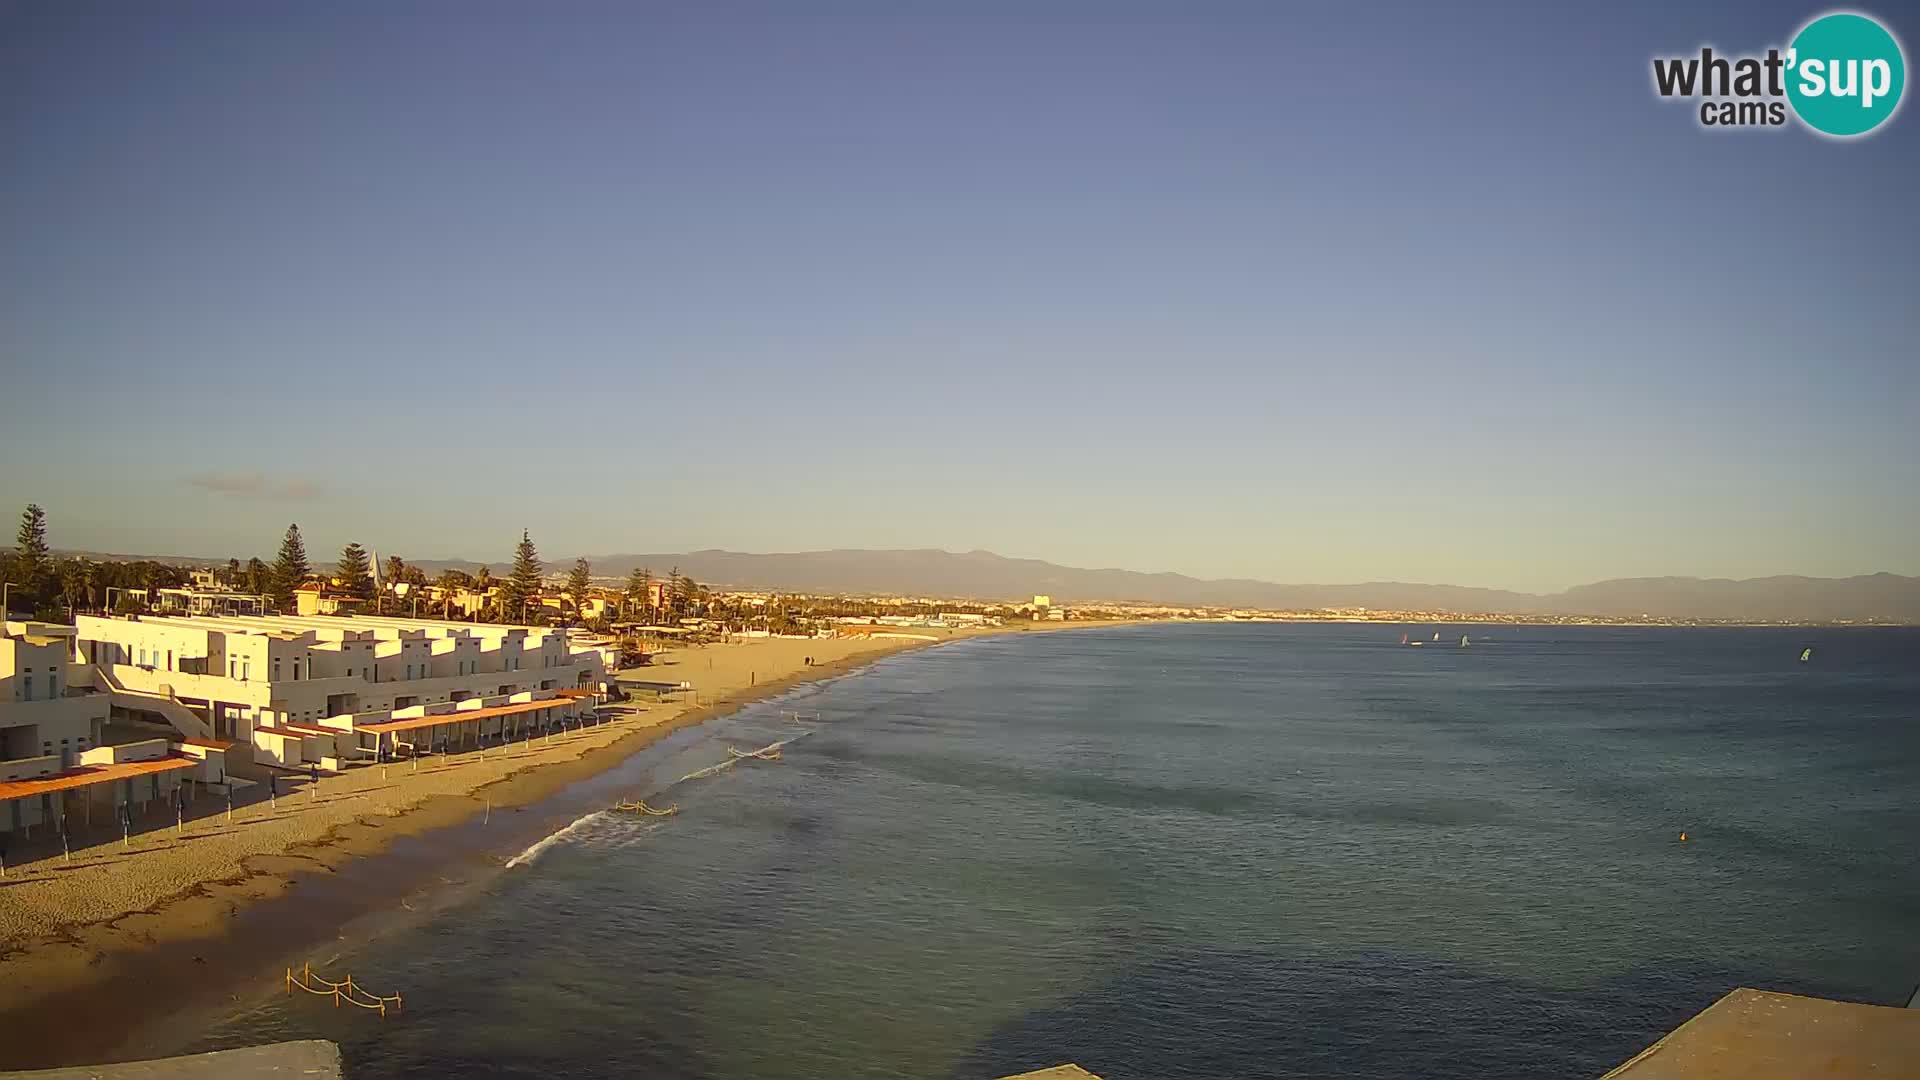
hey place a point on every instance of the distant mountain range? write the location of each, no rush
(985, 576)
(982, 575)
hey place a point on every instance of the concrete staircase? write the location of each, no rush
(165, 704)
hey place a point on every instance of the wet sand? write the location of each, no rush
(175, 921)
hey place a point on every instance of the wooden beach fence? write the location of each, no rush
(343, 991)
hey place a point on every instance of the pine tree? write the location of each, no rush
(259, 579)
(523, 584)
(290, 570)
(31, 561)
(640, 589)
(579, 581)
(355, 572)
(674, 596)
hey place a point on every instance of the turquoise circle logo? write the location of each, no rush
(1845, 73)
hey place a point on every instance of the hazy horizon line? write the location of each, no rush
(552, 565)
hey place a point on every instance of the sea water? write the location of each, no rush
(1184, 851)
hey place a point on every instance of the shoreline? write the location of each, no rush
(146, 959)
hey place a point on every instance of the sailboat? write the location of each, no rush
(1463, 641)
(1436, 635)
(1403, 639)
(1806, 655)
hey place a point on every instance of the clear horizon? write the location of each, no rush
(1302, 296)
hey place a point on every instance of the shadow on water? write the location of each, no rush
(1373, 1015)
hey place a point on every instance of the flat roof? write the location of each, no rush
(1758, 1033)
(88, 775)
(462, 715)
(210, 744)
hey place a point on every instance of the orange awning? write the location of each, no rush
(209, 744)
(88, 775)
(461, 716)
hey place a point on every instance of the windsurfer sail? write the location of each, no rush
(1806, 655)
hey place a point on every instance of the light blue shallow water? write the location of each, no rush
(1201, 851)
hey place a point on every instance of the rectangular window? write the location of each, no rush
(29, 687)
(233, 667)
(53, 686)
(246, 669)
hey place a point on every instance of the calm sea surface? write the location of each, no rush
(1198, 851)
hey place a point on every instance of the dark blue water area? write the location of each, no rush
(1184, 851)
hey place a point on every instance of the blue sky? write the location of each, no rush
(1304, 293)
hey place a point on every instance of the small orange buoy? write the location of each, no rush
(1683, 838)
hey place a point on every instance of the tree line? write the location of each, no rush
(54, 589)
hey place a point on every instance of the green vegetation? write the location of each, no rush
(523, 584)
(51, 589)
(290, 569)
(579, 583)
(354, 573)
(640, 593)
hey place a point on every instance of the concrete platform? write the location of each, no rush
(1758, 1034)
(308, 1059)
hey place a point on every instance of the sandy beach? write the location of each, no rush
(68, 926)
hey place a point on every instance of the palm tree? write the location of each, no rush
(482, 584)
(450, 583)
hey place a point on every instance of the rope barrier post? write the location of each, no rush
(289, 981)
(336, 997)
